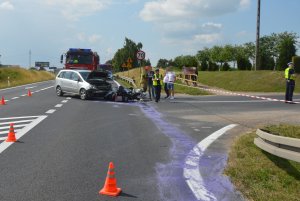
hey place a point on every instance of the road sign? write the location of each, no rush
(140, 55)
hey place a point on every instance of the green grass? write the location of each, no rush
(19, 76)
(247, 81)
(188, 90)
(261, 176)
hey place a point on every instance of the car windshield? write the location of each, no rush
(94, 75)
(84, 75)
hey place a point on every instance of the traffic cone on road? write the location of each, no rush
(110, 187)
(11, 137)
(2, 101)
(29, 93)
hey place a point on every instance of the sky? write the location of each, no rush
(35, 30)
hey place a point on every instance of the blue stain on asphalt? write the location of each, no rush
(171, 182)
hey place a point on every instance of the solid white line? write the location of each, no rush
(4, 145)
(15, 126)
(191, 170)
(58, 105)
(50, 111)
(6, 132)
(9, 122)
(25, 117)
(195, 101)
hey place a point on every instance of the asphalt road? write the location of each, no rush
(67, 144)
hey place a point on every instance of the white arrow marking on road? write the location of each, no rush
(192, 173)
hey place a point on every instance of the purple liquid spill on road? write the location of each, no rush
(170, 176)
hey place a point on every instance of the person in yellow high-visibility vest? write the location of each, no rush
(157, 83)
(289, 75)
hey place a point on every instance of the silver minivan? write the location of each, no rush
(85, 83)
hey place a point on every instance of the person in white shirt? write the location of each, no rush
(171, 79)
(165, 81)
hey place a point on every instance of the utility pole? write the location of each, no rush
(29, 58)
(257, 65)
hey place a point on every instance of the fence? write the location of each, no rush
(284, 147)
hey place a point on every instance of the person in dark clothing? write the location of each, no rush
(290, 82)
(157, 82)
(151, 89)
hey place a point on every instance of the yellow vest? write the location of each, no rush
(157, 82)
(287, 74)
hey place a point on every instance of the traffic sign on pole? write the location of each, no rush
(140, 55)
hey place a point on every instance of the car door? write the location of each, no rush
(76, 82)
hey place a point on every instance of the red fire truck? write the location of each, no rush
(78, 58)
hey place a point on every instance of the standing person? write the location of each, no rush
(151, 91)
(171, 79)
(157, 82)
(143, 81)
(166, 80)
(290, 82)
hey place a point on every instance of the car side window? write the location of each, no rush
(75, 77)
(61, 75)
(68, 75)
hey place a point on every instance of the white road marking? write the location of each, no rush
(58, 105)
(4, 145)
(24, 95)
(68, 98)
(14, 98)
(50, 111)
(2, 138)
(197, 130)
(15, 122)
(6, 131)
(30, 87)
(191, 170)
(64, 101)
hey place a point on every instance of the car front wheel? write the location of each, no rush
(59, 92)
(83, 94)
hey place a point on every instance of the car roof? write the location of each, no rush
(77, 70)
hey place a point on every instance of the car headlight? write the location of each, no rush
(93, 87)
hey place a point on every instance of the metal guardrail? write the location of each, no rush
(129, 80)
(284, 147)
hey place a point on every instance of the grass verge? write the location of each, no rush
(248, 81)
(20, 76)
(261, 176)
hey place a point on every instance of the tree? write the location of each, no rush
(128, 51)
(287, 49)
(162, 63)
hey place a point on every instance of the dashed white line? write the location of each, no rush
(50, 111)
(14, 98)
(64, 101)
(58, 105)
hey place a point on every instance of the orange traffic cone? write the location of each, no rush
(110, 186)
(29, 93)
(11, 135)
(2, 101)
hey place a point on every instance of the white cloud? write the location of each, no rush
(74, 9)
(6, 5)
(168, 10)
(245, 4)
(95, 38)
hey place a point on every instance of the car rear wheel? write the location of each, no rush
(59, 92)
(83, 94)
